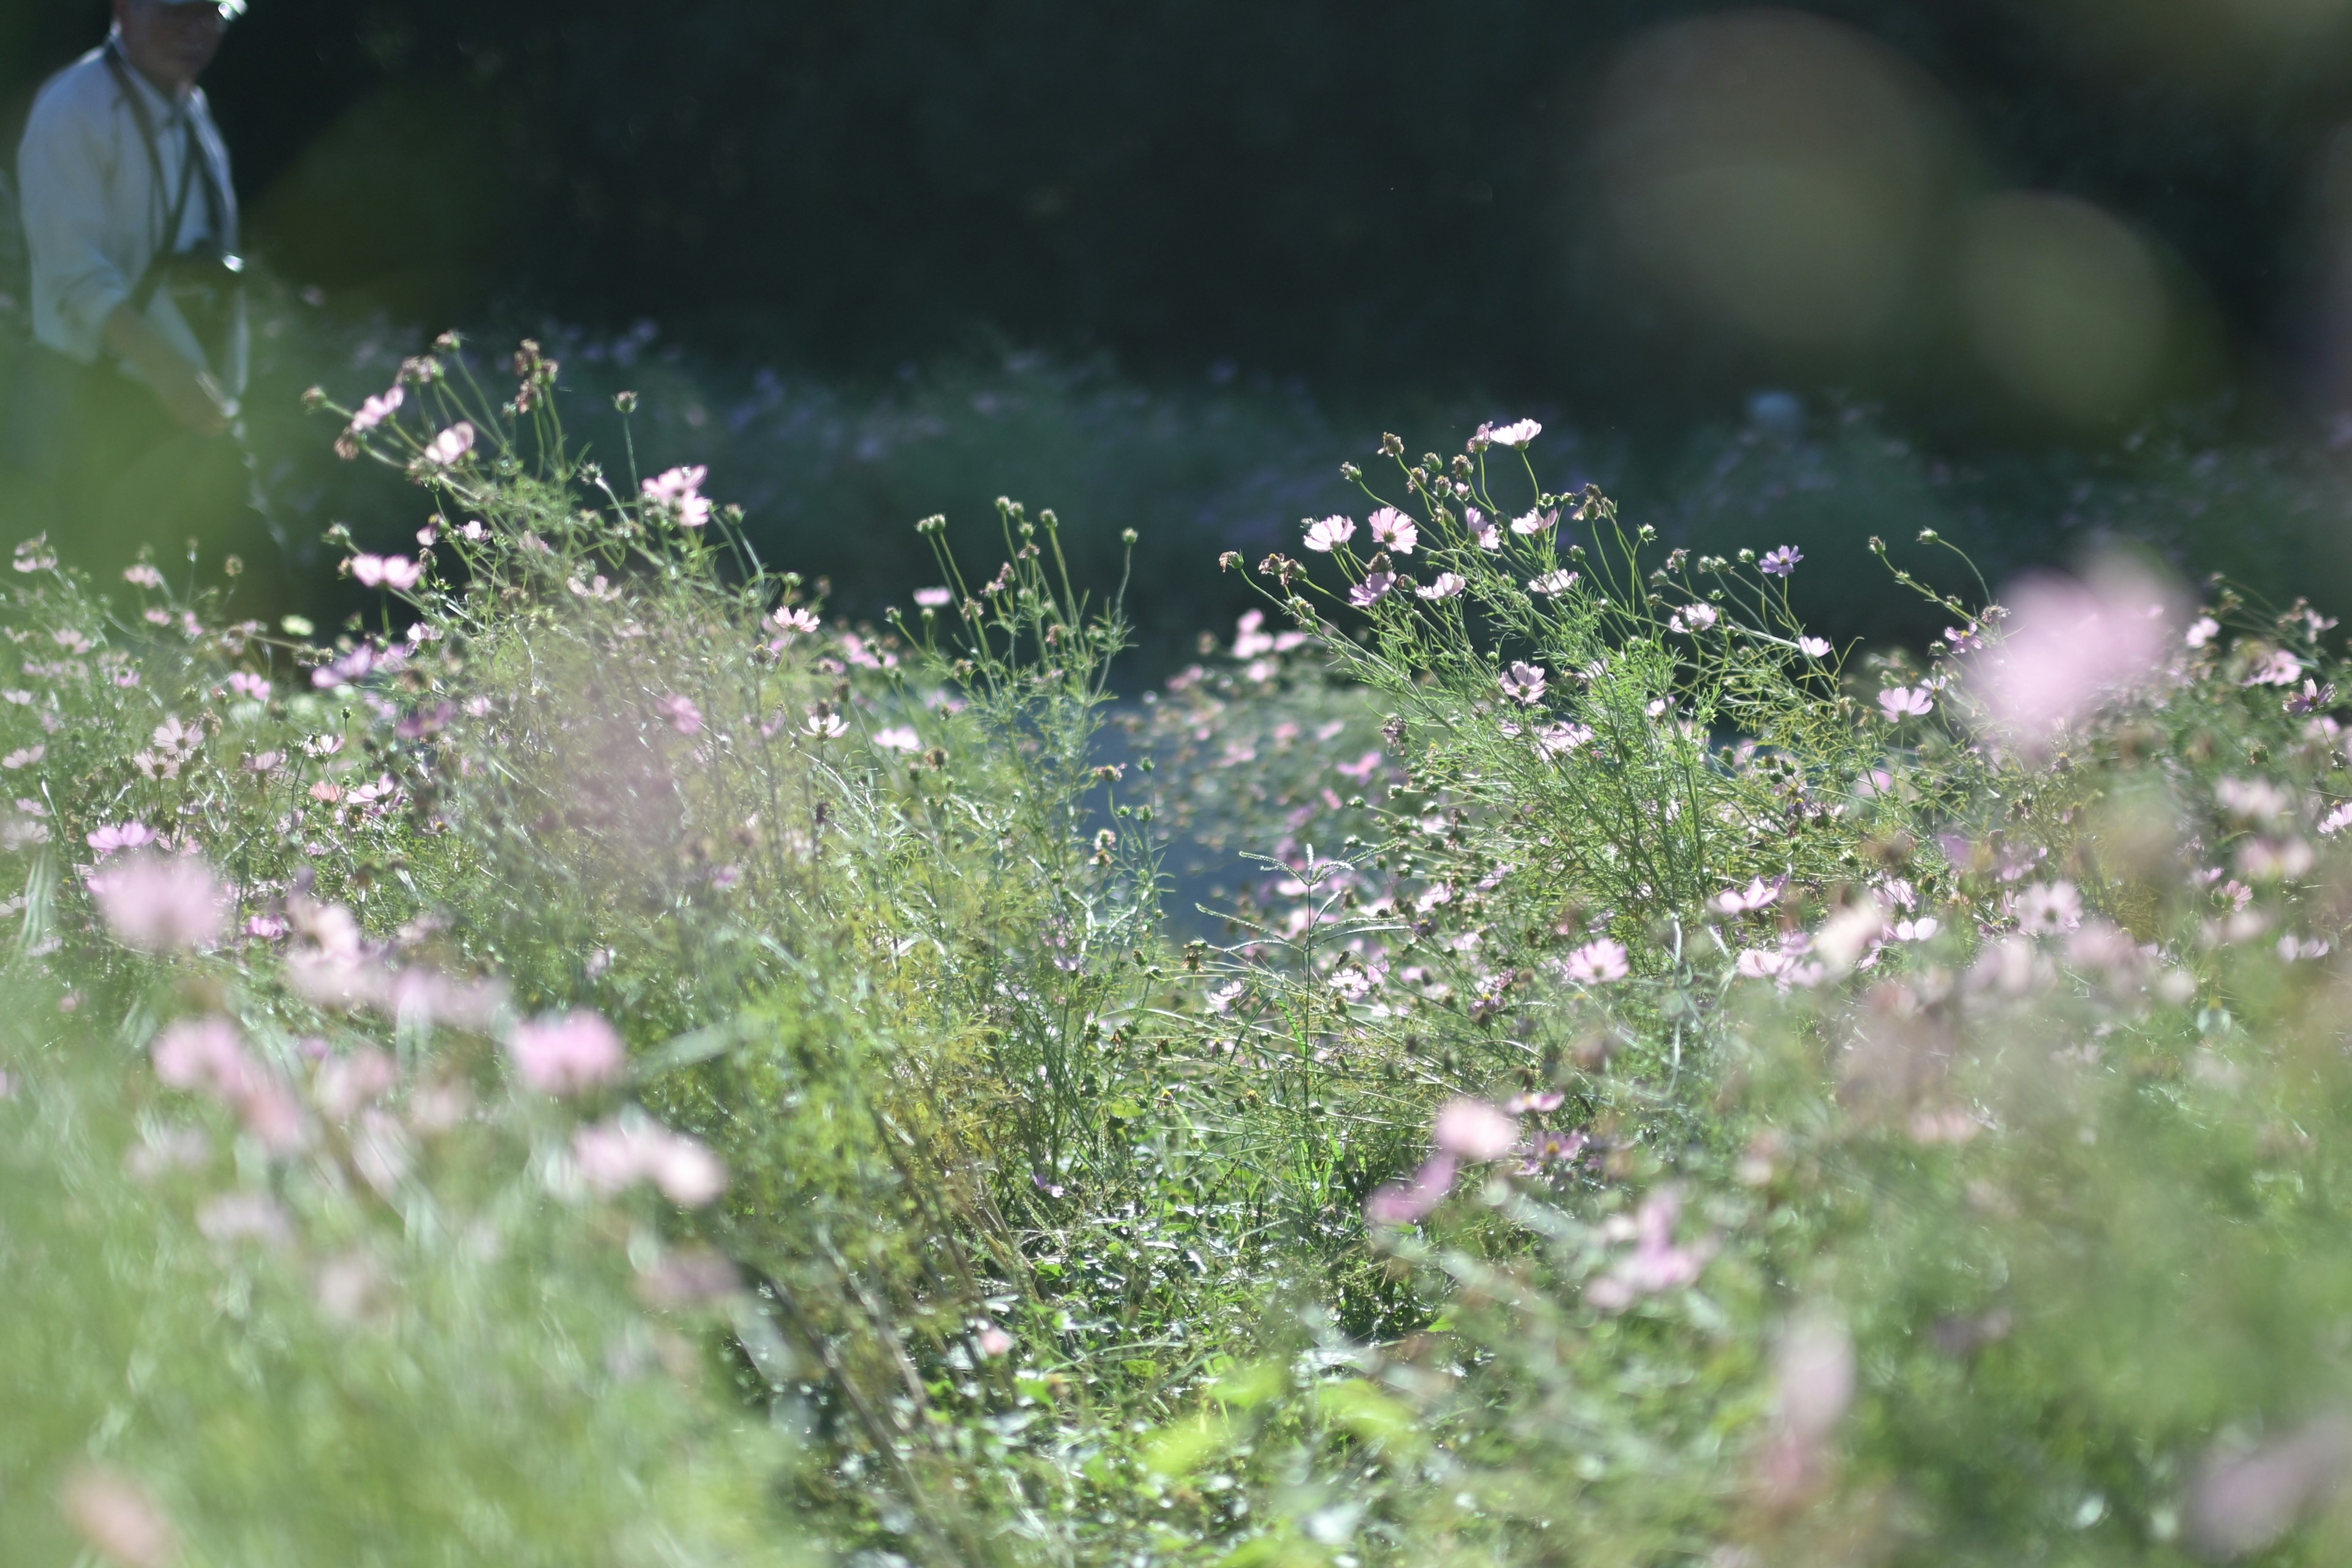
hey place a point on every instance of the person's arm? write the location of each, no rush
(186, 393)
(78, 288)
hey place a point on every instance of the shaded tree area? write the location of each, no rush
(1385, 193)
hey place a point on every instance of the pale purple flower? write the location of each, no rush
(1519, 433)
(1598, 961)
(1814, 648)
(2202, 631)
(1331, 532)
(1474, 1130)
(1900, 701)
(2335, 821)
(375, 410)
(1781, 562)
(1534, 523)
(1758, 894)
(566, 1053)
(683, 715)
(1394, 531)
(1371, 590)
(788, 624)
(161, 904)
(23, 758)
(934, 598)
(451, 445)
(901, 738)
(1482, 530)
(2240, 1502)
(143, 575)
(1692, 619)
(2046, 909)
(1447, 585)
(246, 684)
(1558, 581)
(1524, 683)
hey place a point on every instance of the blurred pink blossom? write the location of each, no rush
(395, 572)
(1447, 584)
(1534, 523)
(1657, 1264)
(617, 1154)
(1405, 1202)
(204, 1055)
(677, 494)
(567, 1054)
(2239, 1503)
(1598, 961)
(451, 445)
(1474, 1130)
(2071, 644)
(121, 836)
(2046, 909)
(375, 410)
(1692, 619)
(1814, 648)
(161, 904)
(117, 1518)
(934, 598)
(684, 716)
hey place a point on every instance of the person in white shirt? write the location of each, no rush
(130, 216)
(138, 311)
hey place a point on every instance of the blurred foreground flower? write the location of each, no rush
(567, 1054)
(161, 904)
(114, 1515)
(2071, 646)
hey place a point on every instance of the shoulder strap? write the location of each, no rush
(152, 278)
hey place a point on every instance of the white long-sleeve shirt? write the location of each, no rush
(95, 215)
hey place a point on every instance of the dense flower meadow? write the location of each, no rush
(602, 1062)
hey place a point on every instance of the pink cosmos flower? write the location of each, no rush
(161, 904)
(143, 575)
(247, 685)
(1781, 562)
(1405, 1202)
(451, 445)
(1474, 1130)
(117, 1518)
(1597, 962)
(1394, 531)
(1446, 586)
(1657, 1264)
(204, 1055)
(1901, 701)
(1534, 523)
(617, 1154)
(375, 410)
(1524, 683)
(1516, 434)
(1558, 739)
(825, 724)
(677, 494)
(1329, 534)
(2280, 668)
(684, 716)
(992, 1342)
(1758, 894)
(1371, 590)
(1482, 530)
(2071, 644)
(900, 739)
(2202, 631)
(2046, 909)
(788, 624)
(23, 758)
(396, 572)
(2240, 1503)
(121, 836)
(565, 1054)
(1814, 648)
(934, 598)
(1552, 582)
(1692, 619)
